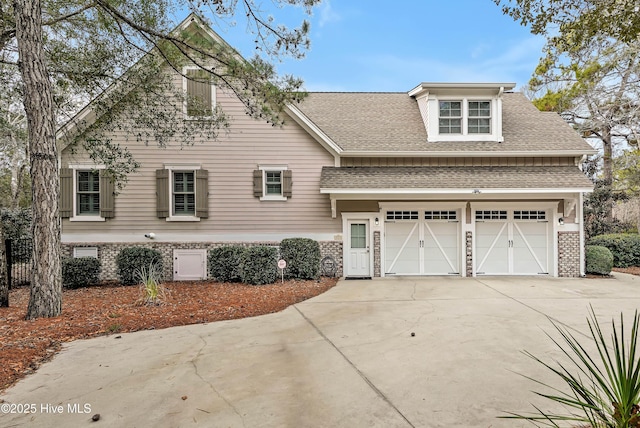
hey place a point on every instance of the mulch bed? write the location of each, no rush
(109, 309)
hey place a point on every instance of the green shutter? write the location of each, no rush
(202, 193)
(107, 196)
(162, 193)
(257, 183)
(287, 183)
(66, 193)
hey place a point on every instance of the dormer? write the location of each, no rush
(461, 111)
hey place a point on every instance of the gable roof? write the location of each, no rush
(378, 123)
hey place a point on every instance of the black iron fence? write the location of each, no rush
(19, 253)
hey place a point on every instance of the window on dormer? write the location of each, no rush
(479, 121)
(450, 121)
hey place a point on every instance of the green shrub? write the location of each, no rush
(131, 260)
(259, 265)
(599, 260)
(302, 256)
(80, 272)
(625, 248)
(224, 263)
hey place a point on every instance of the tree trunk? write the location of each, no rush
(607, 167)
(46, 275)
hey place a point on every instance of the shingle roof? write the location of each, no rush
(392, 122)
(480, 177)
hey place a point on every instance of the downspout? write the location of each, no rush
(582, 238)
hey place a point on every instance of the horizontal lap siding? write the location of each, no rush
(230, 161)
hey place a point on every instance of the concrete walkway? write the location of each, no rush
(346, 358)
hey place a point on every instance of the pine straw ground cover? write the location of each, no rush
(110, 309)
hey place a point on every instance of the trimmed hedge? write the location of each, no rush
(131, 259)
(599, 259)
(302, 256)
(80, 272)
(625, 247)
(259, 265)
(224, 263)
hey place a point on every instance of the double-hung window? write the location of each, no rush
(184, 193)
(464, 117)
(450, 117)
(479, 121)
(272, 183)
(87, 193)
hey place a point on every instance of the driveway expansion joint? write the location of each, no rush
(358, 371)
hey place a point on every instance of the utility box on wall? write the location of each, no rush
(189, 265)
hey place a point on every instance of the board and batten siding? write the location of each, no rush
(230, 161)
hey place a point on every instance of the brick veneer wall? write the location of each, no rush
(108, 251)
(469, 253)
(377, 263)
(569, 254)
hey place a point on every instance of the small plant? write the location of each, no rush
(131, 259)
(604, 387)
(599, 260)
(259, 265)
(302, 256)
(114, 328)
(224, 263)
(80, 272)
(153, 292)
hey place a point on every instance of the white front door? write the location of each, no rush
(358, 254)
(512, 242)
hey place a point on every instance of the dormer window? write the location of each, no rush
(479, 117)
(461, 112)
(450, 117)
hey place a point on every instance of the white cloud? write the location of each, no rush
(327, 14)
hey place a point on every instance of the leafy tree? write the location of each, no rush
(590, 70)
(69, 51)
(599, 203)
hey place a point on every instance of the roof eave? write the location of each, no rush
(429, 86)
(467, 153)
(475, 191)
(314, 130)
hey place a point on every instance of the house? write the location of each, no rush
(462, 179)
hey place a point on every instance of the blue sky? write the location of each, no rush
(374, 45)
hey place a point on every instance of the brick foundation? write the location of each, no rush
(569, 254)
(108, 251)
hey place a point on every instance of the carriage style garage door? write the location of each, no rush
(511, 242)
(422, 243)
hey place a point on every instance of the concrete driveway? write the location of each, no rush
(343, 359)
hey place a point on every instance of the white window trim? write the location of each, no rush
(74, 214)
(184, 89)
(433, 123)
(264, 169)
(181, 167)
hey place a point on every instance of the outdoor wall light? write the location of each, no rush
(377, 221)
(561, 221)
(150, 235)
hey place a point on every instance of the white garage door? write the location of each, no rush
(422, 243)
(511, 242)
